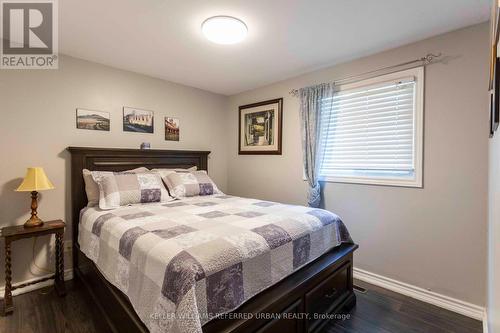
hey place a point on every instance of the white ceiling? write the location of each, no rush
(162, 38)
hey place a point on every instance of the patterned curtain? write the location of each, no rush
(311, 99)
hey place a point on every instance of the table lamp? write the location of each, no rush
(34, 181)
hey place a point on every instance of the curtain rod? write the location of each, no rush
(429, 58)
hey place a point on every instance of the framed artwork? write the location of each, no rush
(92, 120)
(494, 83)
(495, 101)
(138, 120)
(171, 129)
(493, 39)
(259, 130)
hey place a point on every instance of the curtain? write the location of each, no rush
(311, 99)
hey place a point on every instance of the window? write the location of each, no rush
(372, 131)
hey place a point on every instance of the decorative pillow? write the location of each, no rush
(190, 184)
(92, 189)
(125, 188)
(165, 172)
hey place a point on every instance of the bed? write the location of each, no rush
(257, 278)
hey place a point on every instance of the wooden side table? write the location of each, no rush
(18, 232)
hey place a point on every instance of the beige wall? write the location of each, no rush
(494, 236)
(434, 237)
(37, 123)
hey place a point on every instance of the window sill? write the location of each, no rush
(375, 181)
(414, 183)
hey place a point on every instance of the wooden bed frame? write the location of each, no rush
(322, 287)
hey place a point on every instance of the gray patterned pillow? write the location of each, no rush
(92, 189)
(190, 184)
(125, 188)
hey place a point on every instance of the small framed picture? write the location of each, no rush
(171, 129)
(260, 128)
(495, 100)
(494, 70)
(92, 120)
(138, 120)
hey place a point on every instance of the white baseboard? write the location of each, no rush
(445, 302)
(68, 275)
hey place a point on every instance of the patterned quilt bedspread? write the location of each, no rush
(184, 262)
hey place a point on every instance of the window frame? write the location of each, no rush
(418, 135)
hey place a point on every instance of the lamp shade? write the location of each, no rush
(35, 180)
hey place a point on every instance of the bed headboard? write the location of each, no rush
(119, 159)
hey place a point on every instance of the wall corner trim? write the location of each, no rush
(485, 321)
(442, 301)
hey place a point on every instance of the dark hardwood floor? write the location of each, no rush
(383, 311)
(377, 311)
(42, 311)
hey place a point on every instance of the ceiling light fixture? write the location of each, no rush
(224, 29)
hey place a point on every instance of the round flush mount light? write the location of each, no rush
(224, 29)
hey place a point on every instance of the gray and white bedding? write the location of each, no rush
(184, 262)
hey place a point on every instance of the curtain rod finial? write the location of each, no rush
(294, 92)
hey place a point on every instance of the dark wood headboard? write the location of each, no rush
(119, 159)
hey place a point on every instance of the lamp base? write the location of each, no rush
(34, 221)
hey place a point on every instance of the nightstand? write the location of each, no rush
(19, 232)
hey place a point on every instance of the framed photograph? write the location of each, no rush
(495, 100)
(494, 83)
(138, 120)
(259, 129)
(494, 35)
(92, 120)
(171, 129)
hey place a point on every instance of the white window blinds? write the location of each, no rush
(369, 131)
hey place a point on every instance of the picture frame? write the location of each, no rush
(138, 120)
(495, 100)
(93, 120)
(494, 34)
(172, 129)
(494, 82)
(260, 128)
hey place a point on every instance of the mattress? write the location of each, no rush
(184, 262)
